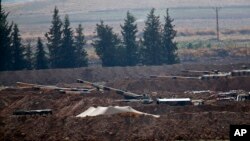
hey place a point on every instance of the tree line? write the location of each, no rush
(66, 50)
(65, 47)
(156, 47)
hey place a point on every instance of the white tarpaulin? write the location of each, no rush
(92, 111)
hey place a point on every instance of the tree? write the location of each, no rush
(67, 52)
(129, 30)
(81, 54)
(169, 46)
(5, 40)
(54, 38)
(120, 55)
(17, 50)
(28, 56)
(152, 40)
(41, 61)
(106, 45)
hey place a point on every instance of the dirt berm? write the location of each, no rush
(210, 121)
(206, 122)
(54, 76)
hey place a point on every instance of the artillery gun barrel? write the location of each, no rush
(199, 71)
(118, 91)
(173, 77)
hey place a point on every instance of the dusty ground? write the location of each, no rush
(112, 74)
(209, 121)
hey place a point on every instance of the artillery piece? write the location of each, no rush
(129, 96)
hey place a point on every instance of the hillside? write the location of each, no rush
(45, 6)
(190, 15)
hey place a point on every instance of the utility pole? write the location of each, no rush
(217, 23)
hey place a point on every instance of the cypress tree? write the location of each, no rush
(120, 54)
(28, 56)
(169, 46)
(152, 40)
(54, 38)
(81, 54)
(106, 45)
(129, 30)
(41, 61)
(5, 40)
(67, 52)
(17, 50)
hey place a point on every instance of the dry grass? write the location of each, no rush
(92, 54)
(214, 51)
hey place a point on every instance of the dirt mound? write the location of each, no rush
(184, 126)
(180, 85)
(108, 74)
(209, 121)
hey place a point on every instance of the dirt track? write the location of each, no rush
(209, 121)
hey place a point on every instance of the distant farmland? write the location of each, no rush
(193, 21)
